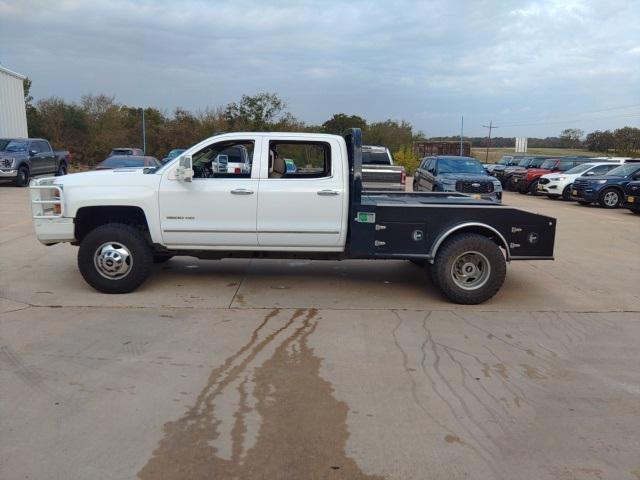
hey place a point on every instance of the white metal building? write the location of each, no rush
(13, 115)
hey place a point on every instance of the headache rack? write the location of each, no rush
(46, 198)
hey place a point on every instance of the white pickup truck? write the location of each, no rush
(124, 220)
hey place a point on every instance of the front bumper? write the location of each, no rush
(54, 230)
(553, 189)
(585, 194)
(8, 173)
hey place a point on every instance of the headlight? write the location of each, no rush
(560, 179)
(497, 186)
(600, 182)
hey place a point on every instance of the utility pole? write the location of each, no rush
(144, 134)
(491, 126)
(461, 135)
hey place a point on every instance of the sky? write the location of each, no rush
(532, 67)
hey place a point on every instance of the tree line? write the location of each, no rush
(90, 128)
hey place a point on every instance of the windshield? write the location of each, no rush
(504, 160)
(119, 162)
(3, 143)
(376, 158)
(580, 168)
(536, 162)
(16, 146)
(549, 164)
(525, 162)
(463, 165)
(624, 170)
(174, 153)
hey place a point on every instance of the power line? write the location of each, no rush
(573, 119)
(577, 116)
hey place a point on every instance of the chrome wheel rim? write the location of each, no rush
(611, 199)
(113, 260)
(470, 270)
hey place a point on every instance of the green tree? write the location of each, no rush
(393, 134)
(571, 137)
(627, 140)
(341, 122)
(406, 157)
(600, 141)
(256, 113)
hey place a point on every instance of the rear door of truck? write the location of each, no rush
(305, 207)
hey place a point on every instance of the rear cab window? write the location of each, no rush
(290, 159)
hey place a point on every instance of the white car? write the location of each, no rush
(558, 185)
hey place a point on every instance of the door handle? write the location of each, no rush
(242, 191)
(328, 192)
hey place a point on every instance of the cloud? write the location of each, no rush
(426, 62)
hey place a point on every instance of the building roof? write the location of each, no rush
(12, 73)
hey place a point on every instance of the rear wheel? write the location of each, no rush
(566, 193)
(115, 258)
(469, 268)
(533, 188)
(610, 198)
(62, 169)
(22, 180)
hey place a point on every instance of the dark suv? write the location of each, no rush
(605, 190)
(526, 181)
(632, 198)
(456, 174)
(506, 175)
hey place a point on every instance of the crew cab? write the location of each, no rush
(632, 197)
(447, 173)
(22, 158)
(558, 185)
(379, 172)
(125, 220)
(527, 181)
(606, 190)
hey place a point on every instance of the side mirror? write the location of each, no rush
(33, 153)
(590, 173)
(185, 169)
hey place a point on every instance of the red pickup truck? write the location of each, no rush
(526, 181)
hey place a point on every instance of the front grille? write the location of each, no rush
(6, 163)
(579, 184)
(544, 181)
(466, 186)
(633, 189)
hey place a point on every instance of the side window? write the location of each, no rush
(230, 159)
(601, 169)
(432, 166)
(566, 165)
(291, 159)
(44, 147)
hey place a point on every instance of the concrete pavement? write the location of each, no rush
(298, 369)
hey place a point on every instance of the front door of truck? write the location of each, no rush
(302, 194)
(217, 209)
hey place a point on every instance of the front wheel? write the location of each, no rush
(22, 180)
(533, 188)
(566, 193)
(115, 258)
(610, 198)
(469, 269)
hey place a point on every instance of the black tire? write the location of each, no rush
(62, 169)
(453, 250)
(22, 180)
(523, 192)
(140, 257)
(533, 188)
(605, 200)
(161, 258)
(566, 193)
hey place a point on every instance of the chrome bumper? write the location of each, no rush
(8, 173)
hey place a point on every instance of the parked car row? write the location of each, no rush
(22, 158)
(606, 182)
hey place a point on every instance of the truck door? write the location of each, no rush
(37, 155)
(302, 194)
(48, 159)
(215, 209)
